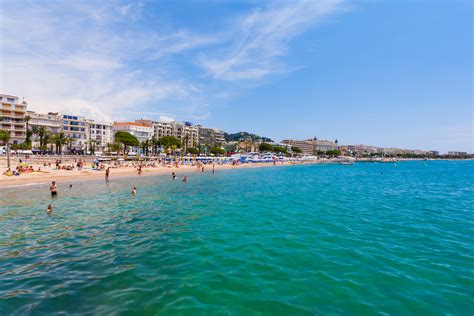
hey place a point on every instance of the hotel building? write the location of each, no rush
(52, 121)
(141, 131)
(12, 113)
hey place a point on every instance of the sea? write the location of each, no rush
(362, 239)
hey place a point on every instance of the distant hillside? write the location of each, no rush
(245, 136)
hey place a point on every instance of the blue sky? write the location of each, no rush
(386, 73)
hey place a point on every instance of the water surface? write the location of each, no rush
(321, 239)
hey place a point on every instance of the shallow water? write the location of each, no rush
(320, 239)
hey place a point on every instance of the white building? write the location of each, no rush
(184, 131)
(100, 135)
(141, 131)
(75, 128)
(52, 121)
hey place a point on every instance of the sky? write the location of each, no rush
(383, 73)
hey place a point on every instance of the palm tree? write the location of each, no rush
(41, 131)
(27, 119)
(59, 140)
(69, 141)
(5, 137)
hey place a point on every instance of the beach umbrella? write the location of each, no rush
(24, 164)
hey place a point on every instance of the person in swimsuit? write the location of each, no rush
(134, 190)
(185, 179)
(107, 173)
(53, 189)
(50, 209)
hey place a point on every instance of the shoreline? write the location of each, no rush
(62, 177)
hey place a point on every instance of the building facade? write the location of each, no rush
(52, 121)
(210, 136)
(141, 131)
(76, 129)
(100, 135)
(306, 146)
(12, 114)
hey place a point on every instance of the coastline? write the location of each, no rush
(63, 176)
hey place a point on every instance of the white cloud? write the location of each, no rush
(263, 36)
(86, 57)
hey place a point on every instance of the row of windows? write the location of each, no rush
(76, 129)
(8, 99)
(70, 117)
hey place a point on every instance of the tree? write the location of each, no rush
(145, 145)
(296, 149)
(5, 138)
(155, 144)
(168, 142)
(69, 142)
(280, 149)
(41, 131)
(27, 119)
(193, 151)
(265, 147)
(217, 151)
(126, 139)
(333, 152)
(59, 140)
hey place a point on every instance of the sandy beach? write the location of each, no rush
(50, 173)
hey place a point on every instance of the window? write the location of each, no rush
(66, 122)
(10, 100)
(65, 128)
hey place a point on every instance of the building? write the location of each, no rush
(457, 153)
(75, 128)
(210, 136)
(52, 121)
(100, 135)
(12, 113)
(184, 131)
(324, 145)
(311, 146)
(306, 146)
(141, 131)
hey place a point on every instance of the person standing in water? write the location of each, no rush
(213, 167)
(53, 189)
(107, 174)
(50, 209)
(134, 190)
(185, 179)
(173, 175)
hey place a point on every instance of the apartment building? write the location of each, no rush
(12, 113)
(76, 128)
(210, 136)
(52, 121)
(100, 134)
(184, 131)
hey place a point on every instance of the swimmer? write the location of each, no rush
(70, 186)
(50, 209)
(185, 179)
(134, 190)
(53, 189)
(173, 175)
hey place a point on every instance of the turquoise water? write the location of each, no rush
(321, 239)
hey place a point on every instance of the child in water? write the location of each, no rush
(134, 190)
